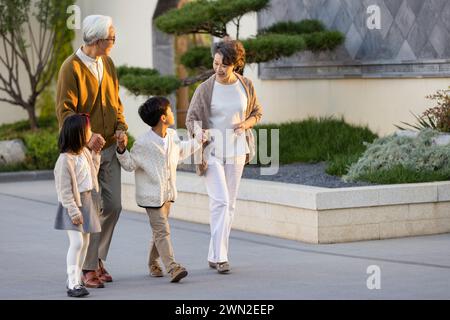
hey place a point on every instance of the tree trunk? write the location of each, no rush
(32, 117)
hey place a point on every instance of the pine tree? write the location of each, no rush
(212, 17)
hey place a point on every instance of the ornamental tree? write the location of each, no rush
(212, 17)
(37, 48)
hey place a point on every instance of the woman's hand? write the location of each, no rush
(244, 125)
(78, 219)
(240, 128)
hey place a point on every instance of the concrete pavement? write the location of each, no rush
(32, 260)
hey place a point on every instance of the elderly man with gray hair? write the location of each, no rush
(88, 84)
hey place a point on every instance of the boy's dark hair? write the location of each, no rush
(152, 110)
(72, 136)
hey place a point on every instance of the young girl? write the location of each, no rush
(75, 178)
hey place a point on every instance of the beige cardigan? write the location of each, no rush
(66, 182)
(200, 110)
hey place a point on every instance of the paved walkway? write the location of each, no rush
(32, 257)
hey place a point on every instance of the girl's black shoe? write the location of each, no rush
(77, 292)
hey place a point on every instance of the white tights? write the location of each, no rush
(76, 254)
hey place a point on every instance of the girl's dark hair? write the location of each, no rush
(233, 53)
(72, 136)
(152, 110)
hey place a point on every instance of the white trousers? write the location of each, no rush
(222, 184)
(76, 254)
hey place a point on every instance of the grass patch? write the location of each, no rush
(324, 139)
(400, 174)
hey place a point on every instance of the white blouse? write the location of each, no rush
(228, 106)
(83, 173)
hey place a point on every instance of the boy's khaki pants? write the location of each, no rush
(161, 245)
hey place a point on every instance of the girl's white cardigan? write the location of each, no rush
(66, 181)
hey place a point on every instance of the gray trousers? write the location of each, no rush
(109, 178)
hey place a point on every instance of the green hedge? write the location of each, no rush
(42, 149)
(42, 145)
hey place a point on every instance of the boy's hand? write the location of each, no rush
(202, 136)
(78, 219)
(122, 140)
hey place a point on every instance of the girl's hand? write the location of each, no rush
(78, 219)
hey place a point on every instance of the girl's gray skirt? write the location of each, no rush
(90, 210)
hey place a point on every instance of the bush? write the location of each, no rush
(42, 145)
(42, 149)
(402, 159)
(437, 117)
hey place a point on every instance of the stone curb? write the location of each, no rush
(26, 176)
(317, 198)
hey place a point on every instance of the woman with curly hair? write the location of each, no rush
(226, 106)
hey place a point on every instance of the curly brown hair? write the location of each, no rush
(233, 53)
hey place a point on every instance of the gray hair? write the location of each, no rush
(95, 27)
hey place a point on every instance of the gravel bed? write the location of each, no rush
(298, 173)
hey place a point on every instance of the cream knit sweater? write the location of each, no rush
(66, 179)
(155, 169)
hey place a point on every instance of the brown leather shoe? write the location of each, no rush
(102, 274)
(91, 280)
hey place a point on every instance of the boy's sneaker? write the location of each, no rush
(77, 292)
(178, 273)
(223, 267)
(156, 271)
(212, 265)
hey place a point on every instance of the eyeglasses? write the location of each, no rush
(113, 39)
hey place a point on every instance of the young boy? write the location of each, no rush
(154, 158)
